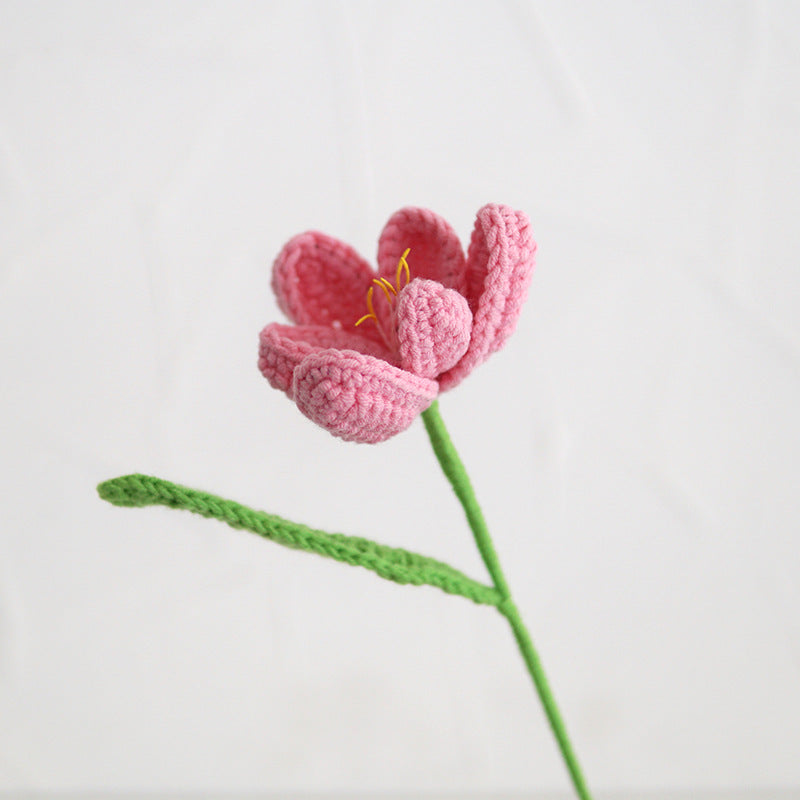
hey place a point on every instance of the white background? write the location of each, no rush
(635, 446)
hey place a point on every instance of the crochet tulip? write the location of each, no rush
(432, 316)
(366, 353)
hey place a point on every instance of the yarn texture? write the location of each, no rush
(392, 563)
(365, 377)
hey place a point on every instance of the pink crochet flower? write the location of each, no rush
(435, 316)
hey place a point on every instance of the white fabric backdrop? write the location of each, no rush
(635, 446)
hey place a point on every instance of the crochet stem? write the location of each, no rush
(453, 469)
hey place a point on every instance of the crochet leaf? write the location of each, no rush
(392, 563)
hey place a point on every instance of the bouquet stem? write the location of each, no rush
(453, 469)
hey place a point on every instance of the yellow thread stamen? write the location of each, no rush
(388, 285)
(370, 307)
(385, 290)
(402, 265)
(389, 290)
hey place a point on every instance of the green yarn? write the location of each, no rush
(392, 563)
(453, 469)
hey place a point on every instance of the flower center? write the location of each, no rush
(391, 291)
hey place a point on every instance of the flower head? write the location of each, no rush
(369, 351)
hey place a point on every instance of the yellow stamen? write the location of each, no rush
(366, 317)
(370, 308)
(382, 285)
(388, 285)
(402, 265)
(388, 289)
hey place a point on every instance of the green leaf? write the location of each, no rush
(392, 563)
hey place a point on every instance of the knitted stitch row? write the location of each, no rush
(392, 563)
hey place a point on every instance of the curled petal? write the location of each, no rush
(283, 347)
(433, 327)
(358, 397)
(500, 265)
(435, 250)
(319, 280)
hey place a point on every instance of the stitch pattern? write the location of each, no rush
(433, 328)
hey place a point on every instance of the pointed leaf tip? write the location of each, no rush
(126, 491)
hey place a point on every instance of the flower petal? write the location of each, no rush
(435, 250)
(283, 347)
(357, 397)
(319, 280)
(433, 327)
(500, 265)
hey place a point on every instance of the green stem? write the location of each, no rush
(453, 469)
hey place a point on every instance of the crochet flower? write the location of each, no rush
(369, 351)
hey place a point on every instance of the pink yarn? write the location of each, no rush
(433, 327)
(357, 397)
(368, 383)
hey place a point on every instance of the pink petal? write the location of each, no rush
(433, 327)
(357, 397)
(283, 347)
(435, 250)
(319, 280)
(500, 265)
